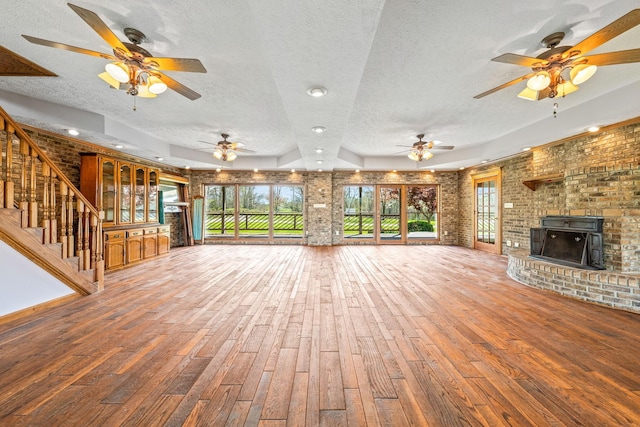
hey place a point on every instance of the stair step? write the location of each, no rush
(14, 215)
(29, 241)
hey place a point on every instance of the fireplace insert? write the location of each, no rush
(575, 241)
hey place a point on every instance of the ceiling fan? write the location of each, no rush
(549, 69)
(133, 68)
(225, 150)
(420, 150)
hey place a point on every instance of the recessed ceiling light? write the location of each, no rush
(484, 161)
(119, 146)
(159, 158)
(433, 170)
(255, 170)
(357, 170)
(319, 170)
(319, 150)
(593, 128)
(394, 171)
(218, 169)
(187, 167)
(526, 149)
(73, 132)
(293, 171)
(319, 162)
(461, 168)
(318, 129)
(317, 91)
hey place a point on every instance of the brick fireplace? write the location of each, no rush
(575, 241)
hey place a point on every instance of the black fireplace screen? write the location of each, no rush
(565, 245)
(570, 240)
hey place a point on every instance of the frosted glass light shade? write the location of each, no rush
(581, 73)
(144, 92)
(565, 88)
(415, 156)
(231, 156)
(540, 81)
(217, 154)
(112, 82)
(118, 71)
(156, 86)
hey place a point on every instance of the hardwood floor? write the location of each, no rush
(294, 335)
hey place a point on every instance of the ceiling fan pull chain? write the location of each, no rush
(134, 104)
(555, 110)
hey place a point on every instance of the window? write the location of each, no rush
(254, 211)
(390, 213)
(422, 212)
(220, 208)
(358, 219)
(287, 211)
(253, 218)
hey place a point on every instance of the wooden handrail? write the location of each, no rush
(43, 157)
(73, 209)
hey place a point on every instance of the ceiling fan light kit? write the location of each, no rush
(420, 150)
(226, 150)
(546, 78)
(131, 64)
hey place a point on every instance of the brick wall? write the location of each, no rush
(601, 178)
(613, 289)
(323, 196)
(65, 153)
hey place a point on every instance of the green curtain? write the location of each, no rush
(161, 203)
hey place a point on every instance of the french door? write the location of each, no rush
(389, 217)
(487, 235)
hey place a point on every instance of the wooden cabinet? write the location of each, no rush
(133, 245)
(127, 193)
(114, 249)
(150, 243)
(164, 239)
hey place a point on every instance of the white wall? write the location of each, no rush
(23, 283)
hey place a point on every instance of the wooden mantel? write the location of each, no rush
(544, 179)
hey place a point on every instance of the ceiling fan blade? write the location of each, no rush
(505, 85)
(525, 61)
(178, 87)
(442, 147)
(612, 30)
(70, 48)
(207, 142)
(243, 150)
(613, 58)
(177, 64)
(235, 145)
(100, 27)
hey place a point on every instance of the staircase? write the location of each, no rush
(43, 215)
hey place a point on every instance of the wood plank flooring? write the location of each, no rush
(331, 336)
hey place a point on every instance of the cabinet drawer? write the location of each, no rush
(164, 229)
(114, 235)
(150, 231)
(133, 233)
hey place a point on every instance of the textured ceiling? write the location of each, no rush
(393, 69)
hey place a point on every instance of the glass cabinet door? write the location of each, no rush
(140, 195)
(153, 196)
(108, 204)
(125, 194)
